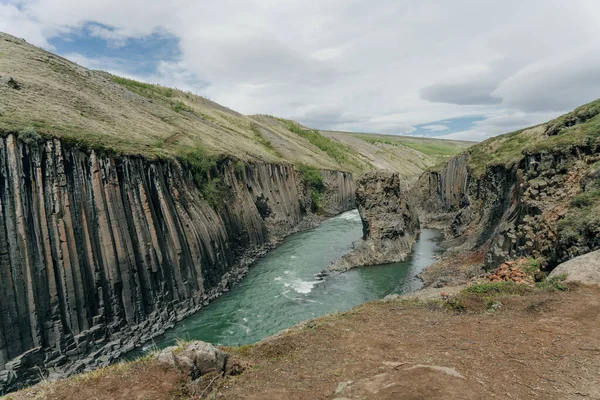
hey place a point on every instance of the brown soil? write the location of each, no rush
(142, 379)
(540, 346)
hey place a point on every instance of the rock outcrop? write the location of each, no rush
(390, 222)
(101, 253)
(583, 269)
(529, 208)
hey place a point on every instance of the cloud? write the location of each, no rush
(435, 128)
(499, 124)
(461, 94)
(343, 64)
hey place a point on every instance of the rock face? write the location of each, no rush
(583, 269)
(390, 222)
(99, 254)
(519, 210)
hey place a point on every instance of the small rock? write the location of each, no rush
(436, 368)
(393, 364)
(10, 82)
(342, 386)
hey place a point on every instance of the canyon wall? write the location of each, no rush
(100, 253)
(528, 209)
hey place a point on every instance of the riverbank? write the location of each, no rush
(285, 288)
(543, 344)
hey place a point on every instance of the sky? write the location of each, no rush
(461, 69)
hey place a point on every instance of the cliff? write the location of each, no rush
(101, 253)
(390, 222)
(532, 193)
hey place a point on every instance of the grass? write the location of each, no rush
(430, 147)
(264, 141)
(312, 178)
(579, 128)
(203, 166)
(147, 90)
(335, 150)
(178, 106)
(486, 296)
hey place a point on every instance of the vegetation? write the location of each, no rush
(335, 150)
(430, 147)
(578, 128)
(312, 178)
(264, 141)
(486, 296)
(203, 167)
(583, 218)
(143, 89)
(178, 106)
(29, 136)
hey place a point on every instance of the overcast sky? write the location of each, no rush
(467, 69)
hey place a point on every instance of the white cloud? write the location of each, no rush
(503, 123)
(435, 127)
(382, 66)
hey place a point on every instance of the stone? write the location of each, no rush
(197, 358)
(584, 269)
(436, 368)
(10, 82)
(342, 386)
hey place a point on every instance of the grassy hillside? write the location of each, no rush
(576, 128)
(47, 95)
(409, 155)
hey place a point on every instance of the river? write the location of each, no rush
(281, 289)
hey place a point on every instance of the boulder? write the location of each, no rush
(196, 358)
(583, 269)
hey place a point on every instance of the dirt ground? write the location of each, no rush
(539, 346)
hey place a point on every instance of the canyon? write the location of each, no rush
(100, 254)
(126, 207)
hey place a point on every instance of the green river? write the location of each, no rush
(281, 289)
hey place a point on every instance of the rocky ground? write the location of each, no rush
(544, 345)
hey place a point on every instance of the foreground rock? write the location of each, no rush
(583, 269)
(390, 222)
(195, 358)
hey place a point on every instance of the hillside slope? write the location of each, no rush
(409, 156)
(97, 110)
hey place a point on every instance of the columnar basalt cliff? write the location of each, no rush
(390, 222)
(542, 204)
(100, 253)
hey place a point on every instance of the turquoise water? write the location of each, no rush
(282, 290)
